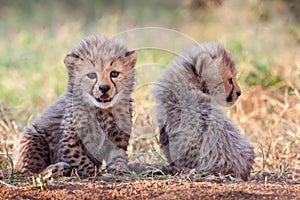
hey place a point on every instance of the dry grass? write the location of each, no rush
(272, 120)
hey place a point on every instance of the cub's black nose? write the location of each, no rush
(104, 88)
(238, 93)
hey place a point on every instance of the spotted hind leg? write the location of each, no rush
(32, 152)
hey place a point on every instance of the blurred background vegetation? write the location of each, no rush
(263, 35)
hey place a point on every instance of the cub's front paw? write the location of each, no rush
(57, 169)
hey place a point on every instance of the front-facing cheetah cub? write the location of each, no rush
(194, 132)
(91, 121)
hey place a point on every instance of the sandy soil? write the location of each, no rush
(153, 189)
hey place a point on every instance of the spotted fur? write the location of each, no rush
(91, 121)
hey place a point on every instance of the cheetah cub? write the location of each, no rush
(91, 121)
(194, 132)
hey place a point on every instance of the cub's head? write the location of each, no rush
(101, 71)
(216, 67)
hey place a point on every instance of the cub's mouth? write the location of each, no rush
(104, 98)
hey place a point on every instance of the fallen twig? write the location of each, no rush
(7, 185)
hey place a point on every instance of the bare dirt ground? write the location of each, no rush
(173, 188)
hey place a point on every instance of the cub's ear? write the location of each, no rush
(71, 60)
(131, 58)
(203, 61)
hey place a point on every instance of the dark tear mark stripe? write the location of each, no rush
(229, 98)
(114, 85)
(94, 86)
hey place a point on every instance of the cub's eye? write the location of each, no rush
(92, 75)
(230, 81)
(114, 74)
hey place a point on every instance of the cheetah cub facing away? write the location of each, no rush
(194, 132)
(91, 121)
